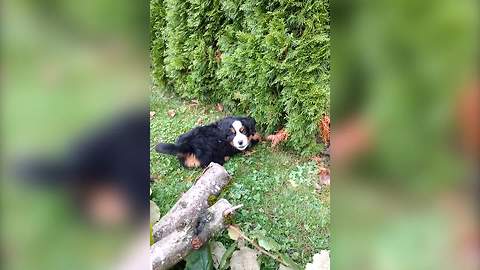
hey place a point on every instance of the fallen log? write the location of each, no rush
(174, 247)
(192, 202)
(191, 222)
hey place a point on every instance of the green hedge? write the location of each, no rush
(269, 59)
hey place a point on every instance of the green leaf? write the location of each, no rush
(226, 256)
(291, 263)
(200, 259)
(268, 243)
(151, 235)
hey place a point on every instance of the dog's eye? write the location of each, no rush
(242, 130)
(232, 130)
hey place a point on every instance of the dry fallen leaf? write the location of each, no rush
(193, 104)
(152, 114)
(171, 113)
(154, 213)
(318, 187)
(219, 107)
(278, 137)
(233, 232)
(324, 175)
(323, 170)
(318, 160)
(199, 121)
(325, 129)
(218, 56)
(321, 261)
(244, 259)
(293, 183)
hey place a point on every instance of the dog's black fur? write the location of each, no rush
(210, 143)
(114, 155)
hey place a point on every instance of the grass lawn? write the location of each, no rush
(277, 187)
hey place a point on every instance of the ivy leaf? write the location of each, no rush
(200, 259)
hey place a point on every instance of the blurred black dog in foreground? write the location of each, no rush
(106, 172)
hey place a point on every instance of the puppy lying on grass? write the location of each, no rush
(215, 142)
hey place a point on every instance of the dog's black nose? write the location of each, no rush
(240, 142)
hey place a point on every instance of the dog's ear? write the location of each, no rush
(250, 123)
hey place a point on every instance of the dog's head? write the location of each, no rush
(238, 131)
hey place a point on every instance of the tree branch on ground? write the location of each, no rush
(191, 221)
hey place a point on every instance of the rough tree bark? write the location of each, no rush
(171, 249)
(190, 222)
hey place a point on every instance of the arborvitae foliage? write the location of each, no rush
(268, 59)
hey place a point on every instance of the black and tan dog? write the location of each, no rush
(215, 142)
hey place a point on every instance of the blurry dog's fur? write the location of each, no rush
(106, 172)
(215, 142)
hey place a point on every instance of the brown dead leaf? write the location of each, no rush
(318, 160)
(278, 137)
(193, 104)
(154, 212)
(325, 129)
(323, 170)
(152, 114)
(199, 121)
(219, 107)
(244, 259)
(233, 232)
(324, 174)
(218, 56)
(171, 113)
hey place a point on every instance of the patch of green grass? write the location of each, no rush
(276, 187)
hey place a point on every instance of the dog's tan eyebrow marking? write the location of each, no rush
(242, 129)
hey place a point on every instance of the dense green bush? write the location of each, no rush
(268, 59)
